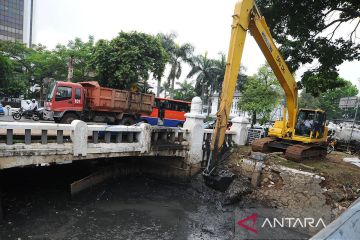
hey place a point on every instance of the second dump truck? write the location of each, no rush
(88, 101)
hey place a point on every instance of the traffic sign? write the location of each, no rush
(348, 102)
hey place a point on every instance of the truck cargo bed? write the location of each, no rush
(119, 101)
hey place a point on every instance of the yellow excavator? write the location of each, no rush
(302, 133)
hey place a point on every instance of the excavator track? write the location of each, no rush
(301, 152)
(296, 152)
(262, 144)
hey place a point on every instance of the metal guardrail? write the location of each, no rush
(207, 141)
(254, 134)
(346, 226)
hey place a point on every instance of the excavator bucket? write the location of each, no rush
(216, 175)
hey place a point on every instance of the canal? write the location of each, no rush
(37, 205)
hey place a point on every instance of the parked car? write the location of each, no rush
(1, 110)
(211, 124)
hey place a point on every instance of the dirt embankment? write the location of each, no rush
(329, 182)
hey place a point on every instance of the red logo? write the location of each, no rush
(250, 218)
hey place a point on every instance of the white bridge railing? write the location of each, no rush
(26, 143)
(81, 139)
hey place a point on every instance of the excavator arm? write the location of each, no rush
(247, 17)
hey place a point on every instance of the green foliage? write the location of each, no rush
(128, 59)
(30, 65)
(306, 100)
(329, 100)
(308, 32)
(15, 88)
(17, 54)
(261, 94)
(206, 75)
(82, 53)
(185, 92)
(220, 68)
(165, 88)
(178, 54)
(316, 84)
(5, 71)
(44, 64)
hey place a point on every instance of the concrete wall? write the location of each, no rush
(294, 192)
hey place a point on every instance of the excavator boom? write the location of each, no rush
(246, 18)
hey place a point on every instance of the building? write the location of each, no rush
(16, 17)
(276, 114)
(234, 107)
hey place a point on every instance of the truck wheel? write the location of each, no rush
(127, 121)
(68, 118)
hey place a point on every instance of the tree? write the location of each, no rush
(185, 92)
(30, 66)
(44, 64)
(177, 55)
(82, 53)
(17, 53)
(329, 100)
(260, 95)
(309, 32)
(204, 69)
(220, 65)
(5, 71)
(165, 88)
(206, 77)
(128, 59)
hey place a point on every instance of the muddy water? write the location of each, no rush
(37, 206)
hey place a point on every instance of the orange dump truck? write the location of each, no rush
(89, 101)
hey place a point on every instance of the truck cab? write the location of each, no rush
(64, 99)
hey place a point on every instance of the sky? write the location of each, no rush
(204, 23)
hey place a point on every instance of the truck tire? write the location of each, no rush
(127, 121)
(68, 118)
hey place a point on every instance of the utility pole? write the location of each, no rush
(70, 69)
(353, 125)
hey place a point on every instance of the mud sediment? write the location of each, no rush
(37, 205)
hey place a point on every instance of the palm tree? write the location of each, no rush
(206, 73)
(178, 54)
(185, 92)
(165, 88)
(220, 65)
(210, 76)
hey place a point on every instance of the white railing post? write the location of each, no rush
(240, 127)
(195, 125)
(145, 137)
(79, 137)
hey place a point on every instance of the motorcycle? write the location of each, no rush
(36, 114)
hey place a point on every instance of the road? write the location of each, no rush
(20, 132)
(10, 119)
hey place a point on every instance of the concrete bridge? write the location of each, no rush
(182, 151)
(38, 144)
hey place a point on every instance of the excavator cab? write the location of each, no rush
(310, 123)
